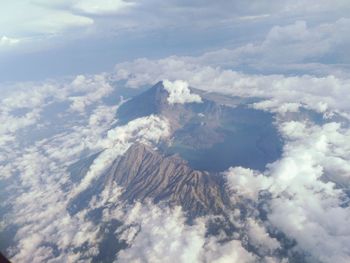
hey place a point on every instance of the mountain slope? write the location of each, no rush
(145, 173)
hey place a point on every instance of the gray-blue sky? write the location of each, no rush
(41, 39)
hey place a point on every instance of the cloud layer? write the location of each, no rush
(288, 29)
(306, 202)
(45, 229)
(318, 93)
(298, 206)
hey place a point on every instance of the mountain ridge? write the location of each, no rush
(145, 173)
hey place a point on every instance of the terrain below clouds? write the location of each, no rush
(201, 176)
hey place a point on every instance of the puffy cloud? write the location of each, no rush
(300, 47)
(148, 129)
(230, 252)
(36, 165)
(165, 236)
(180, 93)
(46, 231)
(40, 212)
(25, 104)
(286, 92)
(296, 47)
(31, 104)
(102, 114)
(260, 238)
(247, 182)
(14, 123)
(94, 88)
(275, 106)
(306, 203)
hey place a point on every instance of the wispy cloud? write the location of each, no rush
(102, 7)
(8, 41)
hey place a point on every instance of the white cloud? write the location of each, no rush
(40, 212)
(260, 238)
(247, 182)
(289, 48)
(148, 129)
(253, 17)
(39, 166)
(8, 41)
(95, 87)
(180, 93)
(299, 42)
(230, 252)
(212, 15)
(31, 22)
(55, 22)
(101, 6)
(39, 18)
(317, 93)
(164, 236)
(304, 205)
(102, 114)
(11, 124)
(298, 39)
(276, 106)
(20, 99)
(32, 98)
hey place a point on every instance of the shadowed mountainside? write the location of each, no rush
(145, 173)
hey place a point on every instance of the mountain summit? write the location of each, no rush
(152, 101)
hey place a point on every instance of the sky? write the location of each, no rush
(64, 65)
(47, 39)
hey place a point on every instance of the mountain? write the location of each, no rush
(206, 139)
(185, 169)
(149, 102)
